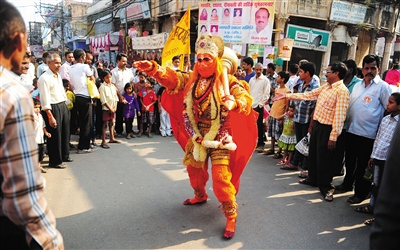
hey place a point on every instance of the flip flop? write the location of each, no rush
(328, 197)
(365, 210)
(105, 146)
(278, 156)
(288, 167)
(269, 152)
(115, 141)
(306, 182)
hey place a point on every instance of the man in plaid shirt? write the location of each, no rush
(26, 221)
(329, 115)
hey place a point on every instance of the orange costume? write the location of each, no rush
(206, 126)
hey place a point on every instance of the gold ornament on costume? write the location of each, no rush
(213, 45)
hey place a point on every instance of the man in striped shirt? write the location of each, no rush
(329, 115)
(26, 221)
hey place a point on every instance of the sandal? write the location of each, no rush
(269, 152)
(278, 155)
(281, 162)
(328, 197)
(306, 182)
(303, 174)
(289, 167)
(354, 200)
(365, 210)
(114, 141)
(105, 146)
(369, 222)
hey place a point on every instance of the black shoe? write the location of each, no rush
(342, 188)
(71, 146)
(355, 200)
(68, 160)
(62, 165)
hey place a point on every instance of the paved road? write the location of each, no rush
(130, 197)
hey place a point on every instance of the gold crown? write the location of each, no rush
(213, 45)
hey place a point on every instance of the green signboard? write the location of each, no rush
(308, 38)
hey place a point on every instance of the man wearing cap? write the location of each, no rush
(211, 123)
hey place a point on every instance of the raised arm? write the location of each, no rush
(172, 80)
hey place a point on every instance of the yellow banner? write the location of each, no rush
(178, 42)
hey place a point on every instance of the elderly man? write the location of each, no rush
(26, 221)
(260, 90)
(206, 126)
(329, 115)
(55, 113)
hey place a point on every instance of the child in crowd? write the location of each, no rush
(109, 100)
(70, 95)
(138, 86)
(239, 74)
(147, 98)
(35, 91)
(70, 104)
(130, 109)
(165, 123)
(380, 151)
(276, 115)
(41, 131)
(287, 141)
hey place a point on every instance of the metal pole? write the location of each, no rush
(62, 29)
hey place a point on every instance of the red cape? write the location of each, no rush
(242, 128)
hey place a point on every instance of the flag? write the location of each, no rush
(178, 42)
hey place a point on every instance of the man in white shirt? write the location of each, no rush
(260, 91)
(42, 67)
(121, 76)
(78, 74)
(64, 71)
(31, 70)
(25, 78)
(55, 113)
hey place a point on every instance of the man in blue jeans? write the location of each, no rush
(303, 115)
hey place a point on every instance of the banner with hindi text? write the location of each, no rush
(237, 22)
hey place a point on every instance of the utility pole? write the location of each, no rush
(61, 18)
(62, 30)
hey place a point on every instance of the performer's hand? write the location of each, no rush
(143, 65)
(279, 96)
(331, 145)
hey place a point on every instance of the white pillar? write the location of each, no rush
(353, 49)
(386, 53)
(325, 61)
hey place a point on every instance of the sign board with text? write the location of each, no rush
(347, 12)
(308, 38)
(238, 21)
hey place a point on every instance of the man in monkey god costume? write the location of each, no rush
(216, 121)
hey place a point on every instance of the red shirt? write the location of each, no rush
(148, 97)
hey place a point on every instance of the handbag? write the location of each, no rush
(303, 144)
(92, 88)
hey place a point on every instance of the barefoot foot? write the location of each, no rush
(230, 228)
(195, 200)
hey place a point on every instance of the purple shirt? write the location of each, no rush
(131, 106)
